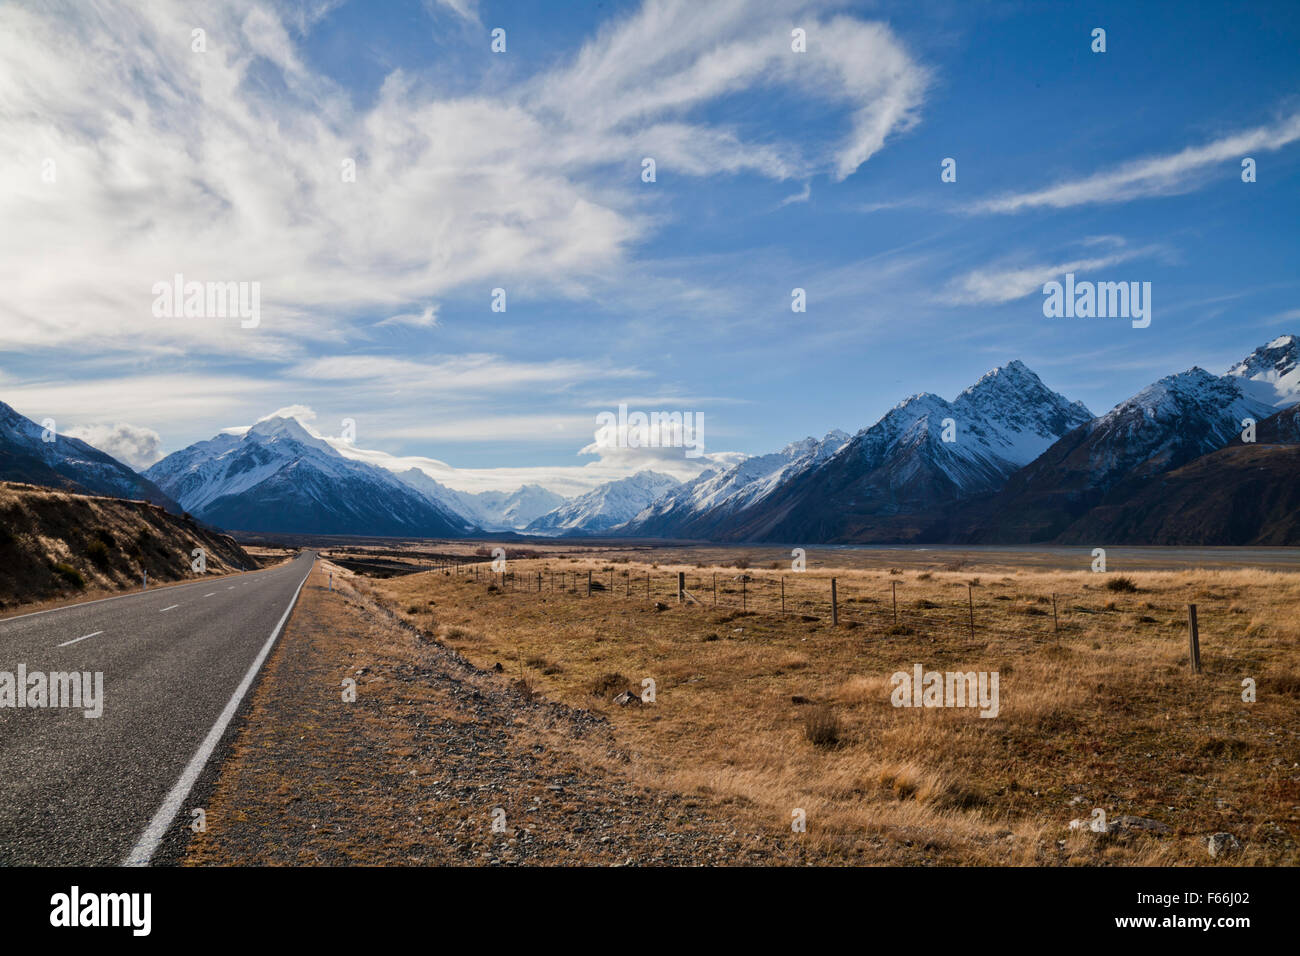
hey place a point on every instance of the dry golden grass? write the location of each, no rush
(1104, 713)
(56, 546)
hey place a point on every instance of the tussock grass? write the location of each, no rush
(1096, 710)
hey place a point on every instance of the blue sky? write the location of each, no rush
(521, 170)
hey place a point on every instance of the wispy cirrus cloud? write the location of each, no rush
(996, 284)
(477, 373)
(1165, 175)
(151, 158)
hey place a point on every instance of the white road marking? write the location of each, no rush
(82, 638)
(153, 834)
(116, 597)
(210, 593)
(169, 608)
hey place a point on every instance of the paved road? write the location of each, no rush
(175, 663)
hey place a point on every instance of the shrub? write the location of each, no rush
(70, 574)
(821, 726)
(1122, 583)
(609, 684)
(99, 554)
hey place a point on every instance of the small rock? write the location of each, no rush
(796, 699)
(1142, 823)
(497, 667)
(1221, 844)
(626, 698)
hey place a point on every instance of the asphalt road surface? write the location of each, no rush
(176, 664)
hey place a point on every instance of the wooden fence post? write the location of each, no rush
(893, 585)
(1193, 640)
(715, 588)
(970, 596)
(588, 582)
(744, 593)
(681, 586)
(1056, 624)
(835, 604)
(783, 594)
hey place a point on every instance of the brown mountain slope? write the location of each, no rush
(1238, 495)
(55, 544)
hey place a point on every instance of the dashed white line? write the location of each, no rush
(82, 638)
(169, 608)
(210, 593)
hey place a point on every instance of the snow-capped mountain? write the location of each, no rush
(694, 509)
(894, 480)
(516, 509)
(1244, 493)
(1271, 373)
(605, 506)
(489, 510)
(68, 463)
(1163, 427)
(277, 476)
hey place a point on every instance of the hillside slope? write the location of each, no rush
(55, 544)
(1242, 494)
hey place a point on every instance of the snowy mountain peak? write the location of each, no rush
(1174, 394)
(830, 443)
(288, 429)
(1271, 373)
(277, 476)
(607, 505)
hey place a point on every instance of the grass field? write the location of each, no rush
(771, 713)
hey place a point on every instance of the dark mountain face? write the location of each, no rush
(68, 463)
(1247, 493)
(1162, 428)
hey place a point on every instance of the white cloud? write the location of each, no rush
(480, 373)
(1166, 175)
(996, 285)
(802, 196)
(467, 10)
(304, 413)
(426, 319)
(136, 446)
(227, 165)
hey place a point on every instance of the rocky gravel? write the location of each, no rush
(437, 762)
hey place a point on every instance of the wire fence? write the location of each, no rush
(944, 607)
